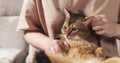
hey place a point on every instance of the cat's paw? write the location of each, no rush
(99, 52)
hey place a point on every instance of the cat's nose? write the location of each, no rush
(57, 36)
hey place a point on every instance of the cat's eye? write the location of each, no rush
(74, 29)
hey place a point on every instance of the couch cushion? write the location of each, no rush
(10, 7)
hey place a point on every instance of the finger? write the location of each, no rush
(97, 28)
(97, 23)
(99, 17)
(47, 51)
(67, 45)
(103, 21)
(57, 49)
(100, 32)
(64, 45)
(52, 49)
(96, 18)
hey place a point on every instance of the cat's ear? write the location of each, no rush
(67, 14)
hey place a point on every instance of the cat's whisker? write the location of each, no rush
(57, 36)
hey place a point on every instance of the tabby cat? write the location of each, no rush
(76, 32)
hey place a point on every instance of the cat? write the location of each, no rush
(77, 33)
(83, 43)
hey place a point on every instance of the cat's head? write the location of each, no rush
(75, 25)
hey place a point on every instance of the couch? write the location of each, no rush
(13, 48)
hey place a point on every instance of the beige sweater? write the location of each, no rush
(31, 18)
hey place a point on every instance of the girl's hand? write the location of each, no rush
(102, 26)
(56, 46)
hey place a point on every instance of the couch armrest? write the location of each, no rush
(13, 48)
